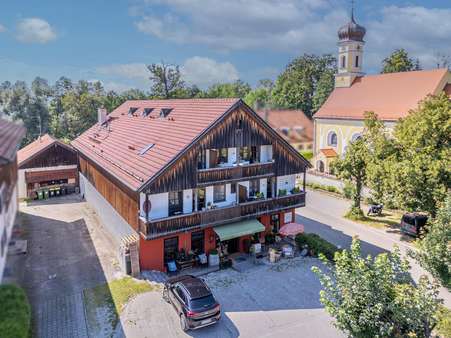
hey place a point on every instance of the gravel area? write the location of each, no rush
(270, 300)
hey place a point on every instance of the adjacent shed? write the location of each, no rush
(47, 168)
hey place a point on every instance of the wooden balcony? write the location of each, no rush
(165, 226)
(208, 176)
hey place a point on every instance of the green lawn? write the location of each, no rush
(388, 219)
(105, 302)
(15, 312)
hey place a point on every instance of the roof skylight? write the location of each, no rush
(146, 149)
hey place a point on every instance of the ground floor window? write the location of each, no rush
(197, 241)
(171, 247)
(288, 217)
(275, 223)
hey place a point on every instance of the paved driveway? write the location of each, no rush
(67, 252)
(280, 300)
(323, 215)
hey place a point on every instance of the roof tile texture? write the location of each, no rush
(292, 119)
(390, 96)
(11, 135)
(116, 147)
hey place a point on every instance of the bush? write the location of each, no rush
(15, 312)
(317, 244)
(331, 188)
(307, 154)
(270, 238)
(348, 190)
(444, 322)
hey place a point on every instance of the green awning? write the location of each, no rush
(238, 229)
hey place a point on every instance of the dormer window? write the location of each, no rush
(132, 111)
(164, 112)
(147, 111)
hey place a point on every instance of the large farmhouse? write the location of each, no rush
(391, 96)
(188, 175)
(11, 135)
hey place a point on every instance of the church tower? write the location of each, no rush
(350, 53)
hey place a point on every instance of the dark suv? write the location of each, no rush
(193, 301)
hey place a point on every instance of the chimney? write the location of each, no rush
(101, 113)
(266, 110)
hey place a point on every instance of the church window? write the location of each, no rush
(357, 61)
(343, 61)
(332, 139)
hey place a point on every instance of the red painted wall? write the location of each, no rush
(151, 252)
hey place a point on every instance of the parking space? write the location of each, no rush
(68, 251)
(272, 300)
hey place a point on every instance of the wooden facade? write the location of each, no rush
(230, 174)
(158, 228)
(124, 201)
(8, 180)
(240, 127)
(53, 156)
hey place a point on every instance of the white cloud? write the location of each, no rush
(296, 26)
(2, 28)
(240, 25)
(421, 31)
(35, 30)
(204, 72)
(127, 70)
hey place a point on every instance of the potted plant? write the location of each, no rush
(208, 205)
(213, 258)
(296, 190)
(282, 192)
(259, 195)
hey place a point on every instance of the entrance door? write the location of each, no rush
(232, 245)
(175, 202)
(171, 247)
(197, 242)
(242, 193)
(200, 198)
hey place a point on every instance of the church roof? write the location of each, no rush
(391, 96)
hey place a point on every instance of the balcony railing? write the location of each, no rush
(207, 176)
(161, 227)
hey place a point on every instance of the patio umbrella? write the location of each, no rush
(291, 229)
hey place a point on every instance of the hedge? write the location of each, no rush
(317, 244)
(15, 312)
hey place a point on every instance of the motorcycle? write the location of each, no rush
(375, 209)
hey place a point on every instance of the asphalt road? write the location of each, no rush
(323, 216)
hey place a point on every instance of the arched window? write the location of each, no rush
(320, 166)
(356, 61)
(332, 139)
(343, 61)
(356, 137)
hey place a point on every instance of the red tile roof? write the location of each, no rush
(36, 147)
(391, 96)
(11, 135)
(300, 126)
(116, 148)
(329, 152)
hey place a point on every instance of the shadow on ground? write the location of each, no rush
(335, 236)
(61, 262)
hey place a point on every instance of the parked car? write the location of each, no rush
(193, 300)
(412, 223)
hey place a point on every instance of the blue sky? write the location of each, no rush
(214, 40)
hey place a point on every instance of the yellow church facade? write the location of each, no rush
(391, 96)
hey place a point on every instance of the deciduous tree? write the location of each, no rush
(305, 83)
(375, 297)
(434, 250)
(352, 167)
(399, 61)
(166, 80)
